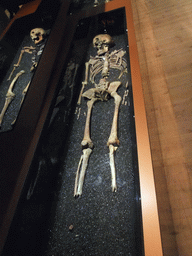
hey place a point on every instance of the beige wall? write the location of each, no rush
(164, 38)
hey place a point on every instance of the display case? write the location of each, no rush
(81, 186)
(15, 143)
(21, 49)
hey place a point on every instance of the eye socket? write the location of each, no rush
(96, 40)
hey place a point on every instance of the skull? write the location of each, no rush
(102, 42)
(37, 35)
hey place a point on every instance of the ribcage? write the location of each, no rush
(115, 61)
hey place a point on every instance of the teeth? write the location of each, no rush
(35, 38)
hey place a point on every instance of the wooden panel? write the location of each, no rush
(151, 232)
(26, 9)
(164, 44)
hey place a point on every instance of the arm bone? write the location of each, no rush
(85, 82)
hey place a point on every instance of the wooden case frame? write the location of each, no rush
(18, 146)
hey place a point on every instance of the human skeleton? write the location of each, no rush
(101, 63)
(37, 35)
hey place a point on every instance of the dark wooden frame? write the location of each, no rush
(17, 147)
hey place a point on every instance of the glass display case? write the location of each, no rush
(82, 193)
(21, 49)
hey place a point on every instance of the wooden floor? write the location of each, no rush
(163, 32)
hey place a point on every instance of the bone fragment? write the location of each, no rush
(123, 101)
(123, 71)
(80, 177)
(10, 95)
(124, 96)
(76, 110)
(79, 112)
(96, 3)
(112, 149)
